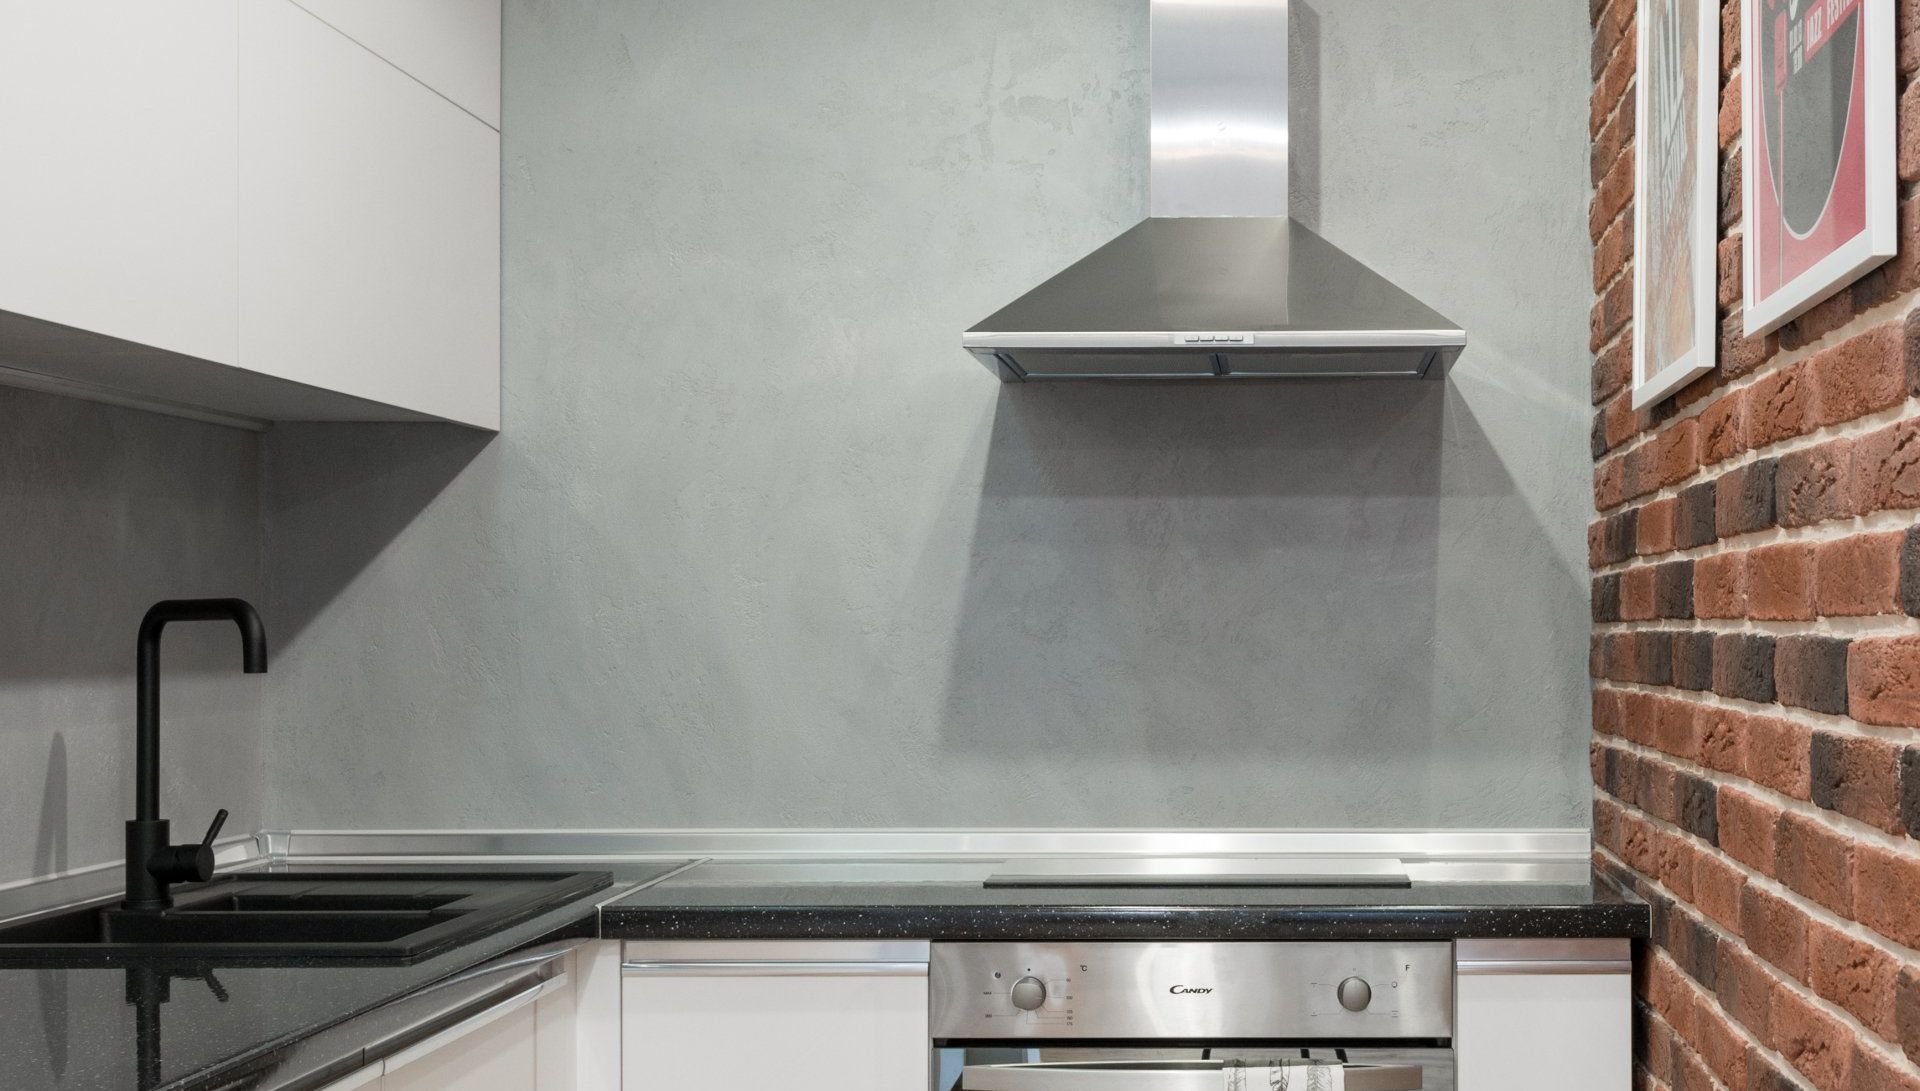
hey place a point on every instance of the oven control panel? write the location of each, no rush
(984, 991)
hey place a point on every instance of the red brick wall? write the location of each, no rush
(1756, 653)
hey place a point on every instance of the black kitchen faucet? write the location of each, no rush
(154, 863)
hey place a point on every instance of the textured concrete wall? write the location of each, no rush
(103, 511)
(759, 545)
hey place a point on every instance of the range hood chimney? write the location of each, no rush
(1219, 282)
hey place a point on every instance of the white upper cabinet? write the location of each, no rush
(369, 223)
(117, 204)
(254, 210)
(452, 46)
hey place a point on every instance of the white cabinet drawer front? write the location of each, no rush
(843, 1032)
(496, 1056)
(369, 211)
(1523, 1032)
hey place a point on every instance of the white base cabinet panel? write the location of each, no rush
(1536, 1014)
(797, 1015)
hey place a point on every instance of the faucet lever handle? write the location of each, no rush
(213, 831)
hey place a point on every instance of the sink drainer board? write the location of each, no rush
(362, 916)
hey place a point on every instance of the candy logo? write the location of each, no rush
(1182, 990)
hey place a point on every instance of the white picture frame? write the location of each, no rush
(1676, 207)
(1766, 309)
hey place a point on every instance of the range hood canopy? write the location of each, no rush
(1219, 282)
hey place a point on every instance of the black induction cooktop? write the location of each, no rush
(362, 916)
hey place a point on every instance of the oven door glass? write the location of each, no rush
(1083, 1069)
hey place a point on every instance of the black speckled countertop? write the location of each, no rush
(76, 1027)
(784, 901)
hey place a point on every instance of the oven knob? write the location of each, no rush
(1029, 993)
(1355, 994)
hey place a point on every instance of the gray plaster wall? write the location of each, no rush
(104, 511)
(760, 546)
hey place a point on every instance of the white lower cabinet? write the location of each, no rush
(801, 1015)
(1531, 1014)
(529, 1041)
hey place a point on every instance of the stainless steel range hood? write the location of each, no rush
(1219, 282)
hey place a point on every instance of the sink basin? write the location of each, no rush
(363, 916)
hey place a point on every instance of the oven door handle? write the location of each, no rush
(1138, 1076)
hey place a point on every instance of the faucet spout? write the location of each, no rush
(152, 861)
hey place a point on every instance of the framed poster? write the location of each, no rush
(1676, 223)
(1817, 105)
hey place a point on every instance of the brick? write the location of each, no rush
(1729, 273)
(1855, 975)
(1858, 777)
(1780, 582)
(1673, 590)
(1722, 433)
(1724, 1052)
(1749, 827)
(1779, 755)
(1740, 354)
(1745, 990)
(1910, 572)
(1676, 452)
(1863, 374)
(1816, 322)
(1873, 1072)
(1655, 526)
(1910, 790)
(1815, 1043)
(1723, 736)
(1676, 729)
(1811, 672)
(1610, 483)
(1859, 576)
(1907, 28)
(1693, 660)
(1908, 162)
(1883, 681)
(1778, 407)
(1763, 1075)
(1615, 537)
(1636, 594)
(1698, 804)
(1743, 498)
(1886, 468)
(1610, 90)
(1720, 586)
(1814, 485)
(1693, 516)
(1911, 349)
(1906, 1012)
(1743, 666)
(1816, 862)
(1717, 888)
(1615, 246)
(1612, 367)
(1775, 931)
(1610, 198)
(1608, 707)
(1606, 598)
(1730, 113)
(1883, 893)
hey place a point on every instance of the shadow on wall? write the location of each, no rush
(385, 475)
(1251, 571)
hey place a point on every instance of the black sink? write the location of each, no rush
(369, 916)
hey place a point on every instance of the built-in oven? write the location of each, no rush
(1366, 1016)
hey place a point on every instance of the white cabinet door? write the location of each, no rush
(798, 1015)
(1531, 1014)
(117, 204)
(452, 46)
(494, 1050)
(369, 212)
